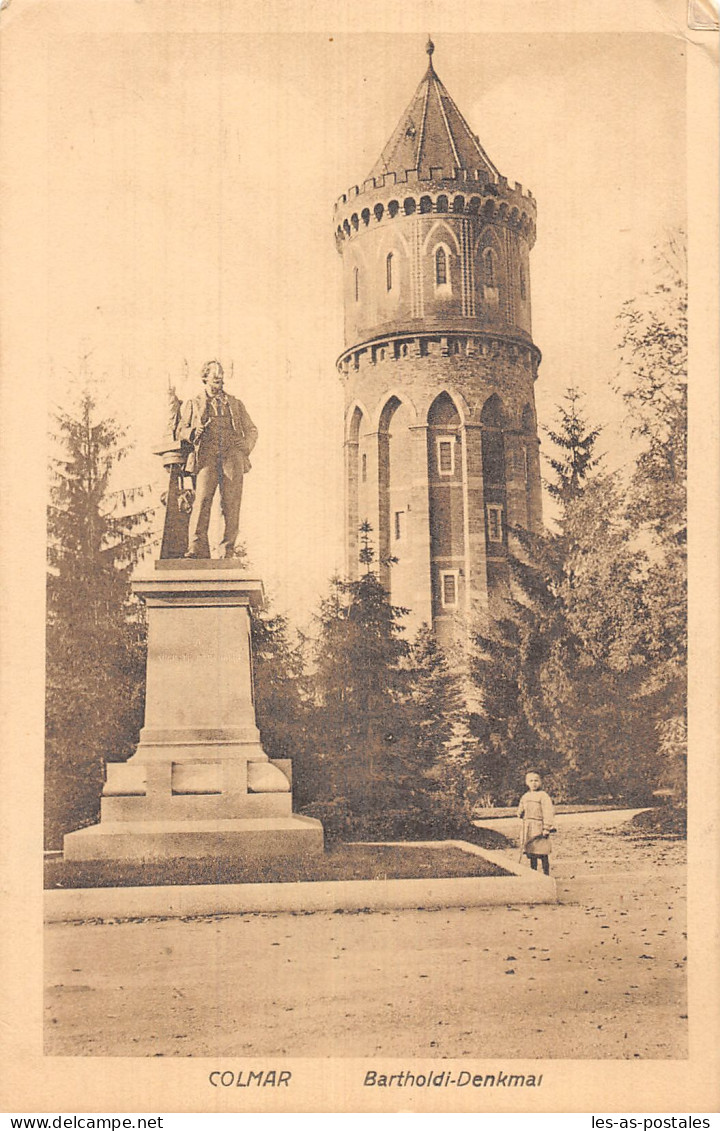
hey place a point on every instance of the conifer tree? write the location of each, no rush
(281, 698)
(525, 659)
(574, 441)
(388, 718)
(584, 671)
(434, 753)
(357, 683)
(95, 630)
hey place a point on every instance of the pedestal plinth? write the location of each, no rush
(199, 784)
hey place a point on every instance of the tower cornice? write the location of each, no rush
(382, 200)
(471, 340)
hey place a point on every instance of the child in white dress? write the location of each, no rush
(536, 811)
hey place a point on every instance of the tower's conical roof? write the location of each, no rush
(432, 134)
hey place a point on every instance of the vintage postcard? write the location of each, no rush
(360, 451)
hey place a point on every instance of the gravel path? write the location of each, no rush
(602, 974)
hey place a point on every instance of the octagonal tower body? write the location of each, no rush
(439, 365)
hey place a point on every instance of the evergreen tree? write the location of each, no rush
(575, 443)
(513, 655)
(524, 659)
(584, 671)
(95, 631)
(428, 759)
(281, 698)
(542, 667)
(597, 705)
(388, 719)
(357, 682)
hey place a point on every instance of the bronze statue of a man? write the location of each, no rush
(221, 436)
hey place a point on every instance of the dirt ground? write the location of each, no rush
(601, 974)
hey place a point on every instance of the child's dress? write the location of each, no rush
(536, 810)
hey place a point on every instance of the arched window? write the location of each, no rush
(493, 413)
(440, 267)
(389, 271)
(489, 267)
(356, 283)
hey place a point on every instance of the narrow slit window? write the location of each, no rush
(440, 267)
(449, 588)
(363, 464)
(399, 525)
(389, 271)
(523, 287)
(356, 283)
(446, 456)
(495, 523)
(489, 265)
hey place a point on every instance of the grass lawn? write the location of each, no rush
(338, 862)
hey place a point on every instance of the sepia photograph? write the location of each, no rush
(360, 768)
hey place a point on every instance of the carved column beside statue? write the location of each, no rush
(199, 784)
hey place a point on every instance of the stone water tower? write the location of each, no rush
(439, 365)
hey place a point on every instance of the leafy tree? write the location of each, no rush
(624, 555)
(652, 380)
(95, 631)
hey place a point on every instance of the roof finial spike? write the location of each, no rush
(430, 47)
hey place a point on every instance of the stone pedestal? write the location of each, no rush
(199, 784)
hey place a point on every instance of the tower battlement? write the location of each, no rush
(463, 192)
(438, 176)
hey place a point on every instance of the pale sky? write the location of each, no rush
(191, 180)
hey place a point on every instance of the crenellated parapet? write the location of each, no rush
(463, 192)
(399, 347)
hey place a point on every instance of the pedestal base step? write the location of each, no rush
(250, 839)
